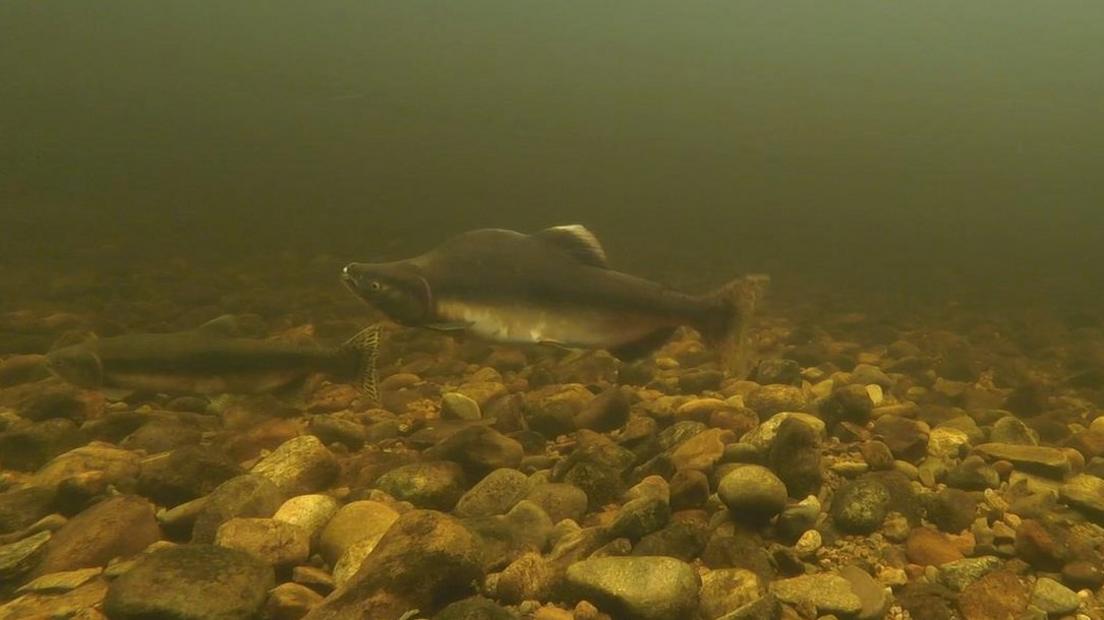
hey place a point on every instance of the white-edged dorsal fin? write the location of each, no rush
(577, 241)
(225, 326)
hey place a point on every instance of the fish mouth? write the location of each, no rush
(349, 280)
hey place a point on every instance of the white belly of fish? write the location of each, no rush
(582, 328)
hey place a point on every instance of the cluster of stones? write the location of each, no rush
(496, 484)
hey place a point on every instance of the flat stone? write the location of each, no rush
(999, 594)
(118, 467)
(873, 595)
(827, 592)
(291, 601)
(120, 526)
(930, 548)
(1033, 459)
(701, 451)
(958, 574)
(62, 581)
(727, 589)
(636, 588)
(191, 582)
(20, 556)
(1085, 491)
(276, 542)
(23, 506)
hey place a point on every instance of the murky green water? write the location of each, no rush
(929, 146)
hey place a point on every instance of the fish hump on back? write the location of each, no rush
(577, 241)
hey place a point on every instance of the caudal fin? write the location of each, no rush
(366, 345)
(729, 323)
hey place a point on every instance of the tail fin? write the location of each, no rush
(727, 327)
(366, 346)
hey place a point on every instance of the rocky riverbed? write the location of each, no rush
(937, 465)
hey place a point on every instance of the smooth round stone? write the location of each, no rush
(1011, 429)
(495, 494)
(191, 581)
(561, 501)
(1053, 597)
(309, 512)
(860, 507)
(456, 406)
(1097, 425)
(435, 485)
(752, 492)
(808, 544)
(639, 517)
(353, 523)
(636, 588)
(763, 435)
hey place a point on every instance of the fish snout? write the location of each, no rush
(357, 277)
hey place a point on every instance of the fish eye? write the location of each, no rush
(375, 286)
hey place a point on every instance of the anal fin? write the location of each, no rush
(631, 351)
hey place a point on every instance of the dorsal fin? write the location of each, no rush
(225, 326)
(576, 240)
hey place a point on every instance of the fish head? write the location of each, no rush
(77, 364)
(397, 289)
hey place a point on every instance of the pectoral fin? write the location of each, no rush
(556, 344)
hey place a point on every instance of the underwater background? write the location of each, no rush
(920, 434)
(938, 149)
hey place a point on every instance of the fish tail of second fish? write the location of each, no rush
(726, 328)
(365, 346)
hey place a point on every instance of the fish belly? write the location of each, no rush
(581, 327)
(169, 383)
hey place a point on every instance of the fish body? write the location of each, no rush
(551, 287)
(208, 361)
